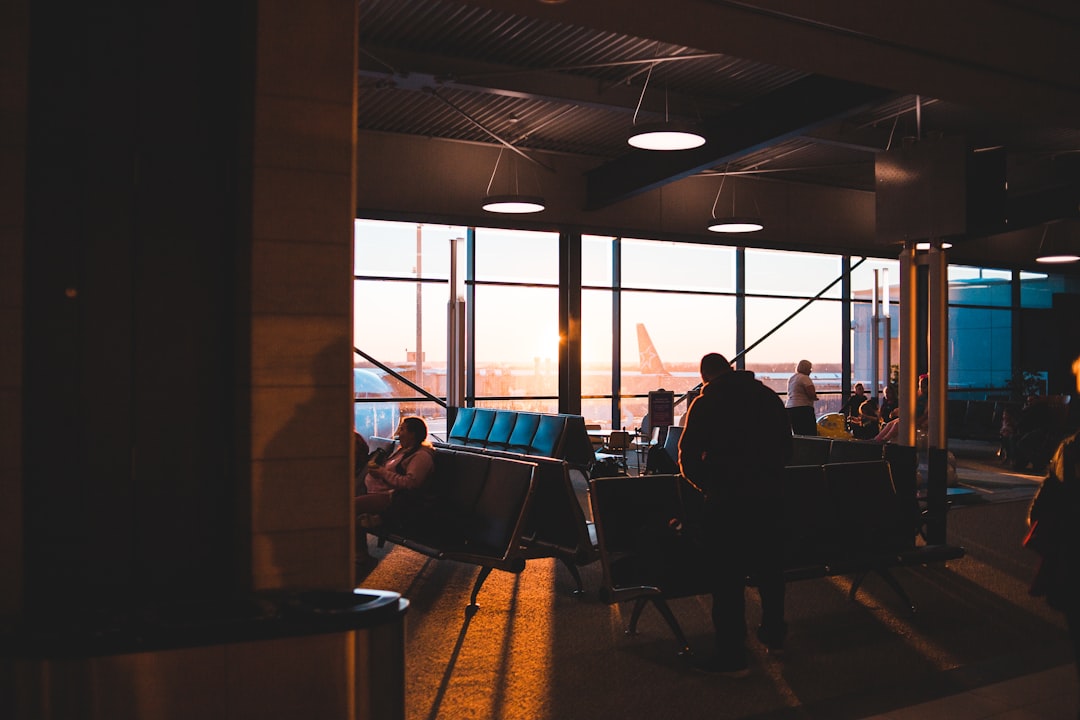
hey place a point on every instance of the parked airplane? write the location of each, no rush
(648, 359)
(373, 418)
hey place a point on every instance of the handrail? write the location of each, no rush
(397, 376)
(763, 338)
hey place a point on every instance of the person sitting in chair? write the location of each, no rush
(866, 424)
(408, 468)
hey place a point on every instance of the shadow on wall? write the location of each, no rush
(302, 485)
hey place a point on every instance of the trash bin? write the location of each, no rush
(268, 653)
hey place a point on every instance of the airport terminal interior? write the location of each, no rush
(234, 236)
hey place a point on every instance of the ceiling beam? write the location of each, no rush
(789, 112)
(1006, 58)
(393, 67)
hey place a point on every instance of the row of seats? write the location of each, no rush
(806, 450)
(475, 510)
(526, 433)
(977, 419)
(555, 525)
(818, 450)
(848, 518)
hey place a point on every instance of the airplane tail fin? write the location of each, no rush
(648, 358)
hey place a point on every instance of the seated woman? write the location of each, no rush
(866, 424)
(408, 467)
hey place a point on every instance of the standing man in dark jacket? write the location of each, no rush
(734, 446)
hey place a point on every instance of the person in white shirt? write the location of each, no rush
(801, 396)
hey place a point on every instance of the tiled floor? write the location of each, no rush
(1048, 695)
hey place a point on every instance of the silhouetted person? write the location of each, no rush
(1006, 434)
(891, 429)
(1055, 536)
(1033, 441)
(889, 406)
(801, 396)
(865, 424)
(733, 449)
(851, 406)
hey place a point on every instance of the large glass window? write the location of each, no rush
(517, 341)
(1037, 289)
(672, 303)
(772, 272)
(517, 256)
(596, 260)
(663, 339)
(980, 348)
(813, 334)
(677, 303)
(780, 332)
(656, 265)
(517, 315)
(403, 250)
(596, 344)
(865, 275)
(400, 294)
(979, 286)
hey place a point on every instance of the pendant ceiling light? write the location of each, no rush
(1056, 248)
(733, 223)
(926, 246)
(513, 201)
(666, 135)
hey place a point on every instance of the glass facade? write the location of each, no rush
(648, 311)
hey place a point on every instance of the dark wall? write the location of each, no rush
(1066, 330)
(1049, 339)
(136, 331)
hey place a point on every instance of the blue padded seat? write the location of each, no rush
(548, 437)
(481, 426)
(501, 428)
(524, 429)
(459, 432)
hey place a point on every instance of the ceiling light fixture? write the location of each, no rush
(926, 246)
(511, 204)
(733, 223)
(666, 135)
(515, 202)
(1055, 249)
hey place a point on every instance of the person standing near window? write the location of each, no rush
(801, 396)
(733, 450)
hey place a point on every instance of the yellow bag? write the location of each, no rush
(833, 425)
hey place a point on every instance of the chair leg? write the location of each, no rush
(892, 582)
(484, 572)
(576, 575)
(635, 614)
(669, 616)
(856, 582)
